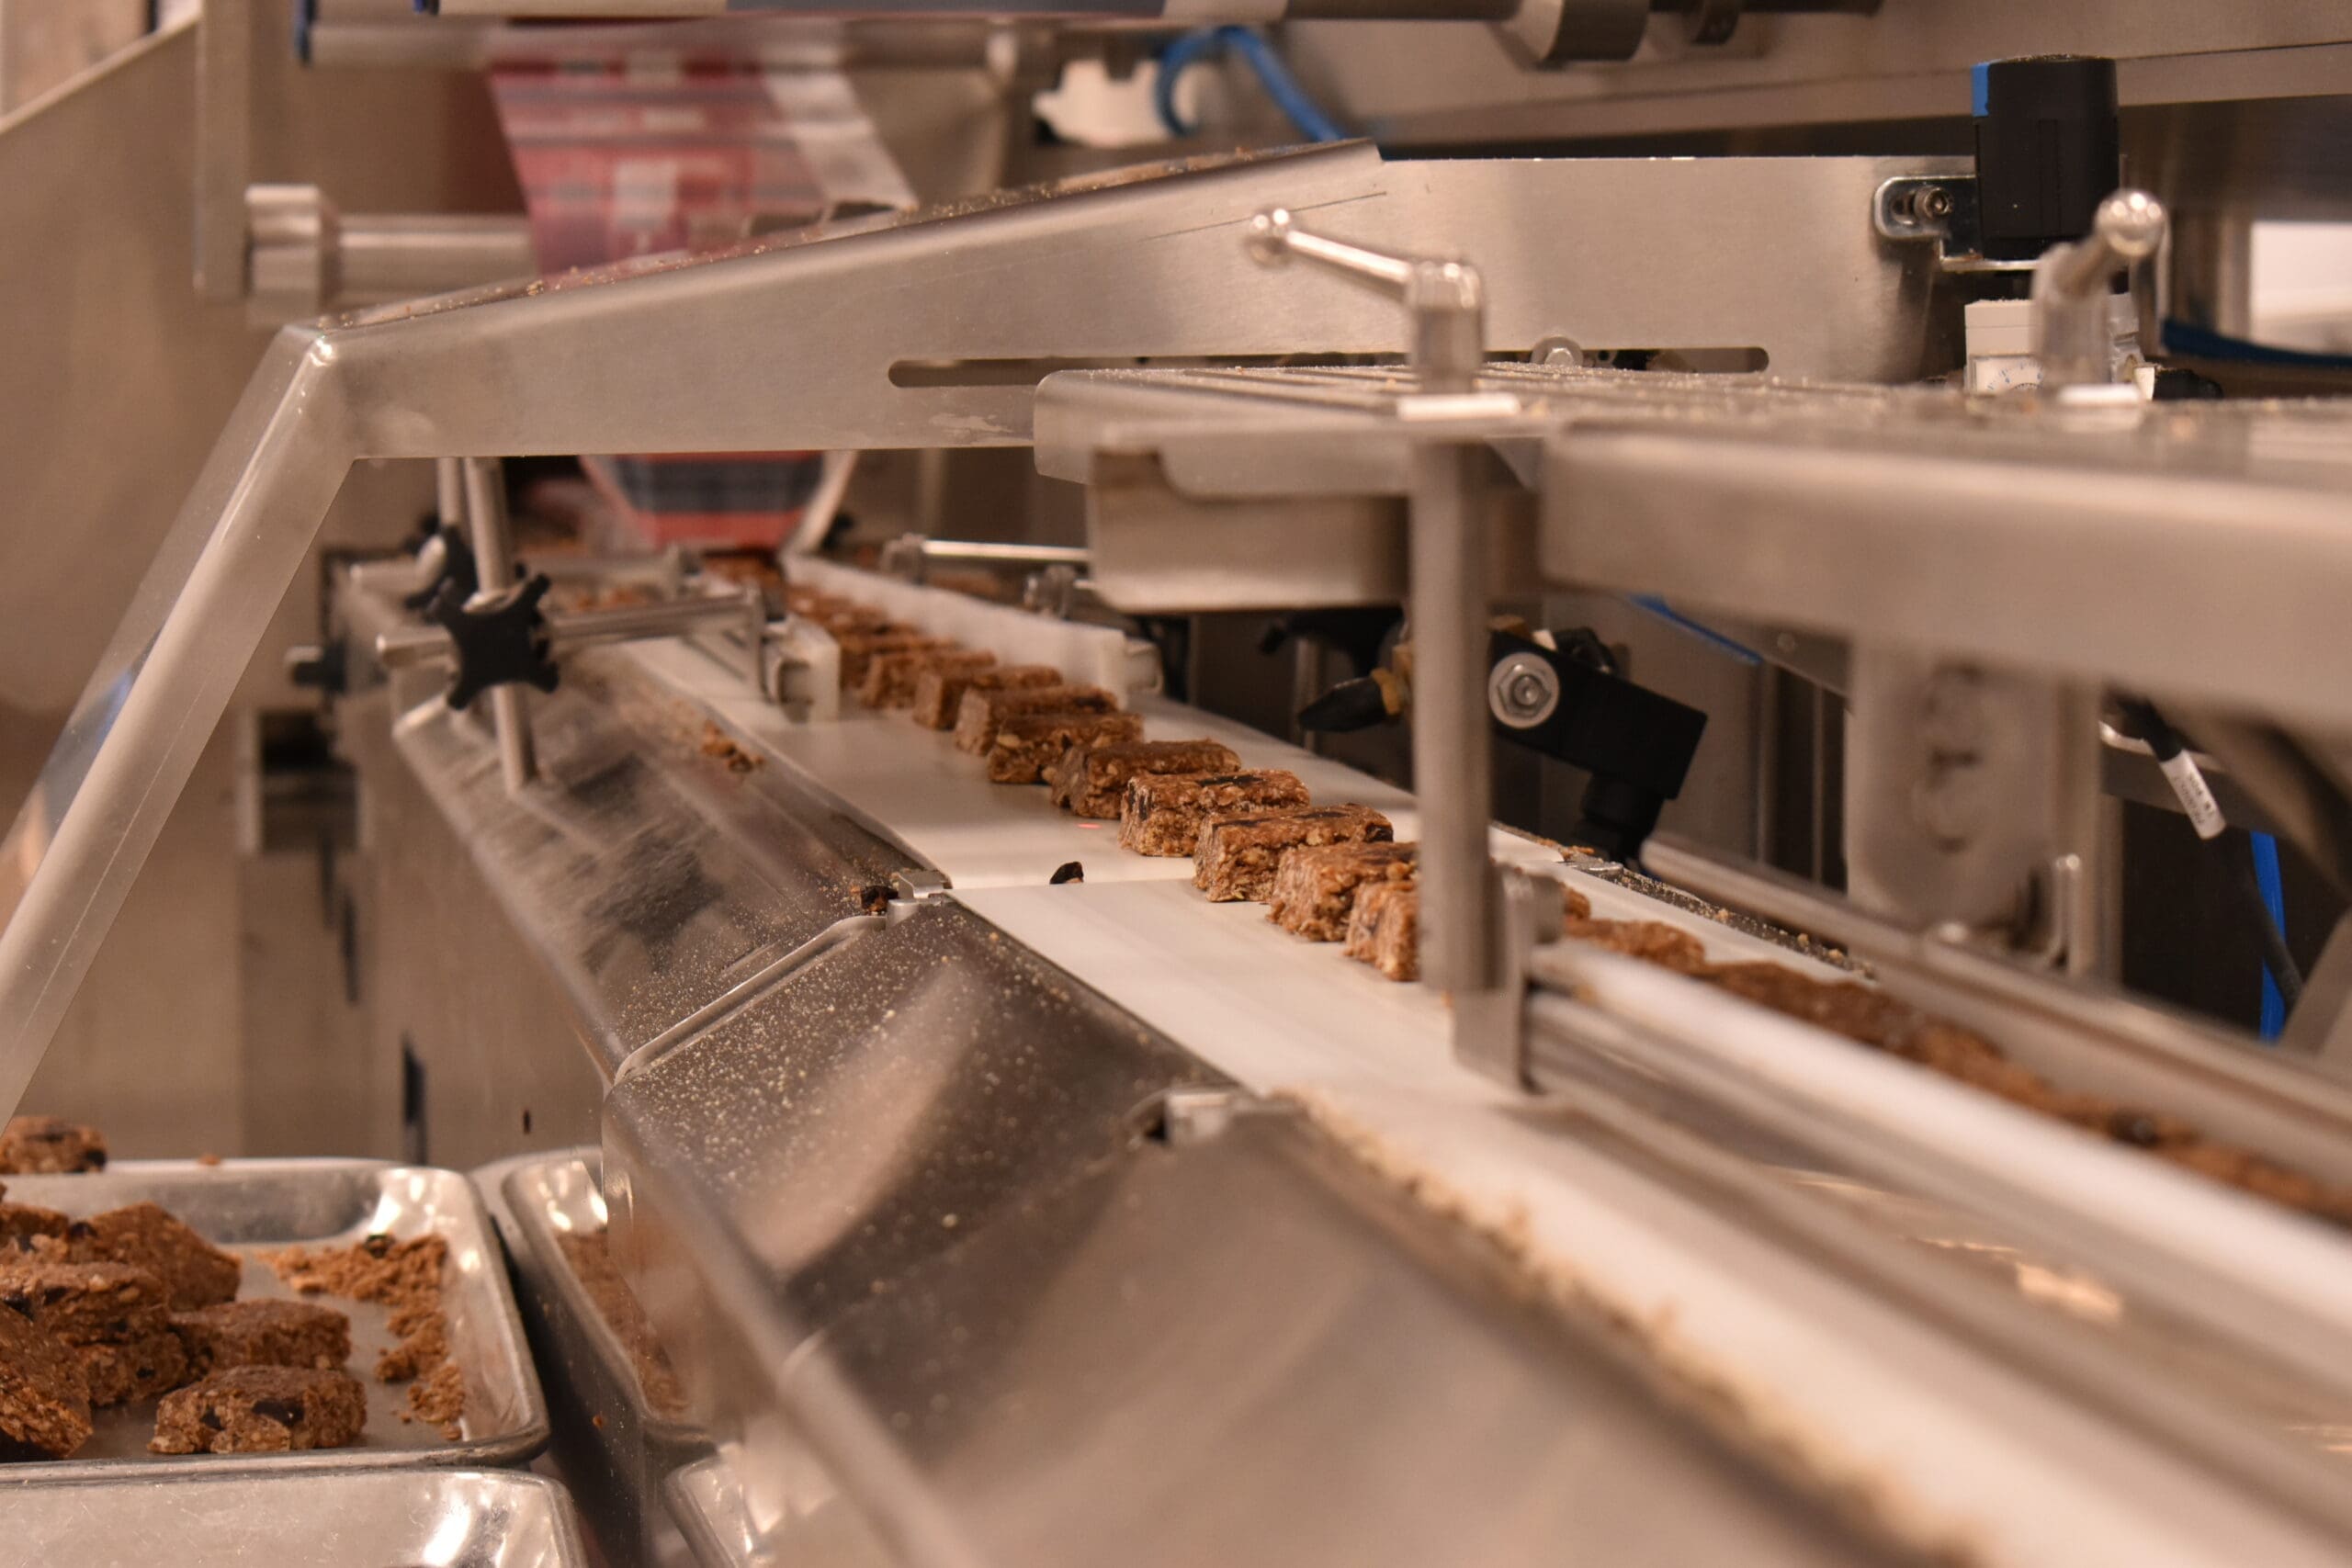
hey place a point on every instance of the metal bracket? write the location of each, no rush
(920, 884)
(1942, 207)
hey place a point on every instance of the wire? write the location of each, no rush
(2272, 889)
(2255, 882)
(2203, 342)
(1274, 75)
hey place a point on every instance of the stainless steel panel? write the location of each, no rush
(891, 1099)
(348, 1519)
(253, 1206)
(1243, 1351)
(613, 1448)
(648, 877)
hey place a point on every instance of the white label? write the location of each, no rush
(2196, 796)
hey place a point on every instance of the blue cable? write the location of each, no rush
(2274, 896)
(1206, 43)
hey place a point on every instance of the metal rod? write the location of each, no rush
(494, 542)
(1023, 555)
(1451, 763)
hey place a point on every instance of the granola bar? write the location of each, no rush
(978, 716)
(1385, 929)
(24, 1224)
(1669, 946)
(1093, 780)
(1026, 744)
(135, 1369)
(83, 1302)
(263, 1332)
(891, 678)
(1315, 887)
(194, 1271)
(261, 1410)
(859, 650)
(49, 1145)
(1161, 813)
(939, 694)
(44, 1394)
(1236, 856)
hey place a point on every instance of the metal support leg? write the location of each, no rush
(1451, 763)
(494, 542)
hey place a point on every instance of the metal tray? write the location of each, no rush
(254, 1206)
(612, 1446)
(351, 1518)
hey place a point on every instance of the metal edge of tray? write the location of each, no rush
(696, 1495)
(258, 1504)
(513, 1448)
(540, 1237)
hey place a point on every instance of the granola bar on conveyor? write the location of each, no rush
(1093, 780)
(982, 710)
(1236, 856)
(1315, 887)
(1162, 813)
(859, 650)
(939, 694)
(891, 678)
(1026, 744)
(1385, 929)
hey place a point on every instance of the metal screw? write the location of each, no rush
(1928, 206)
(1523, 690)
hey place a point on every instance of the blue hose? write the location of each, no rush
(1258, 54)
(2274, 896)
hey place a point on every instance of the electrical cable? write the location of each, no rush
(1274, 75)
(2271, 888)
(2254, 882)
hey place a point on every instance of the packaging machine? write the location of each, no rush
(995, 1197)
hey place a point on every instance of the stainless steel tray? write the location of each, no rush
(611, 1445)
(350, 1519)
(254, 1206)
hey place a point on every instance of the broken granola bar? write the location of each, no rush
(939, 694)
(1236, 856)
(1161, 813)
(891, 678)
(261, 1410)
(982, 710)
(1093, 780)
(49, 1145)
(1316, 887)
(1385, 929)
(143, 1236)
(263, 1332)
(1026, 744)
(44, 1394)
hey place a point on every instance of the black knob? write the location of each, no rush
(498, 643)
(2049, 150)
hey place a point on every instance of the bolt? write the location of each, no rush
(1926, 206)
(1526, 693)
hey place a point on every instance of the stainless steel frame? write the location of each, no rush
(874, 334)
